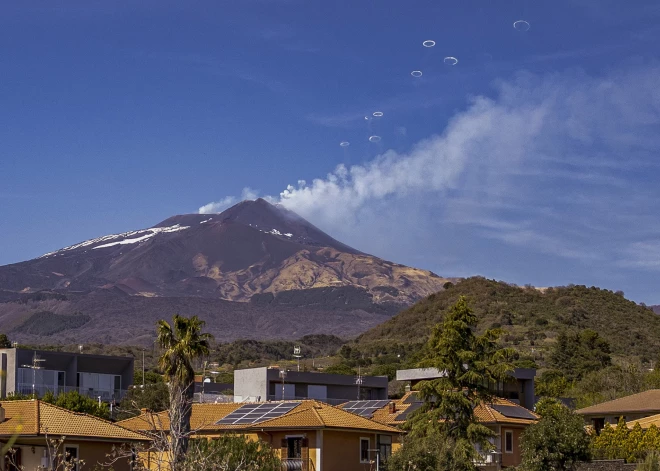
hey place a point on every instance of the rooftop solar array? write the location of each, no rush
(514, 412)
(411, 398)
(364, 408)
(255, 413)
(411, 408)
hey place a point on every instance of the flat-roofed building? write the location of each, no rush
(24, 371)
(267, 384)
(519, 390)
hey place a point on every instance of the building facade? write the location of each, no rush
(306, 435)
(26, 371)
(28, 428)
(269, 384)
(519, 390)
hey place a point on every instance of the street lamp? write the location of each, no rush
(283, 376)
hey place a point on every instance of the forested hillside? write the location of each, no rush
(531, 318)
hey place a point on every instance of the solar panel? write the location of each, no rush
(411, 398)
(365, 404)
(411, 408)
(514, 412)
(255, 413)
(364, 408)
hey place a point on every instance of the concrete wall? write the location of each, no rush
(607, 465)
(252, 382)
(267, 383)
(8, 362)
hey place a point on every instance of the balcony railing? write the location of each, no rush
(489, 459)
(327, 400)
(106, 395)
(297, 464)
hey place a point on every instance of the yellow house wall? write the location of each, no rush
(341, 451)
(91, 453)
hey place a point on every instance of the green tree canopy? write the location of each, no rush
(578, 353)
(557, 442)
(469, 363)
(76, 402)
(230, 453)
(4, 341)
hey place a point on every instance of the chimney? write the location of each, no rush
(2, 414)
(392, 407)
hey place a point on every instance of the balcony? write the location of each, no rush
(106, 395)
(297, 464)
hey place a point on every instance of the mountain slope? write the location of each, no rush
(260, 257)
(532, 318)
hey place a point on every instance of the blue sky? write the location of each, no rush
(534, 159)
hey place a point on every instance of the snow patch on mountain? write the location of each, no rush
(126, 238)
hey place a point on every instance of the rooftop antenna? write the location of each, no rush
(36, 365)
(297, 355)
(359, 380)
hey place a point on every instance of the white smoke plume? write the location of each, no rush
(548, 165)
(219, 206)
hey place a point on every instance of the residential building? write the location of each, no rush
(25, 371)
(507, 419)
(632, 407)
(307, 435)
(26, 426)
(267, 384)
(519, 390)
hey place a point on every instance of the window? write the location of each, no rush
(294, 447)
(508, 441)
(71, 456)
(13, 460)
(364, 450)
(385, 446)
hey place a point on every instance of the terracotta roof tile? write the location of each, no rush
(41, 418)
(483, 412)
(309, 414)
(646, 422)
(20, 417)
(647, 401)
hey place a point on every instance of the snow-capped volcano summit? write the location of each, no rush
(252, 249)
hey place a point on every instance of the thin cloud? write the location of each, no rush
(543, 166)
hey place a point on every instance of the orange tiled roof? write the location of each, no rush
(309, 414)
(647, 401)
(645, 422)
(40, 418)
(484, 413)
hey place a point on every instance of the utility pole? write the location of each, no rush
(143, 369)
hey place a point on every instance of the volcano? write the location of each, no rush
(255, 270)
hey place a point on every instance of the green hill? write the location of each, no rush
(531, 318)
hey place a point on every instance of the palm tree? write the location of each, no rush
(182, 342)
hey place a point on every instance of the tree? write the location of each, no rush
(578, 353)
(469, 363)
(557, 442)
(231, 453)
(612, 442)
(4, 341)
(551, 383)
(154, 397)
(182, 342)
(76, 402)
(426, 453)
